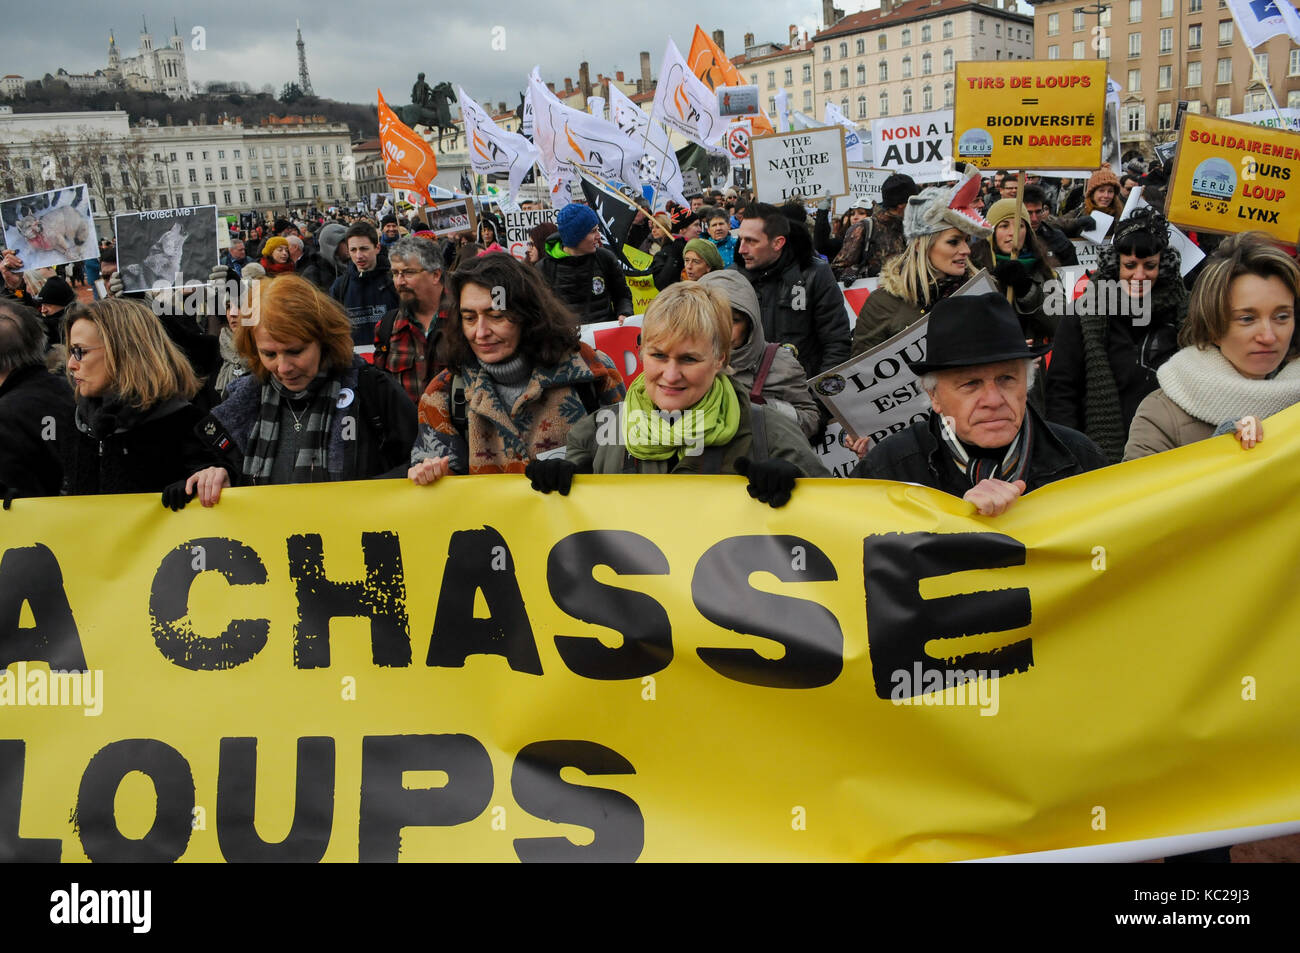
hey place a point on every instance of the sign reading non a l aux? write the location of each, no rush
(806, 165)
(919, 144)
(1030, 114)
(1235, 177)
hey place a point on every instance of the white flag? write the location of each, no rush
(659, 168)
(1261, 20)
(493, 149)
(684, 103)
(783, 111)
(852, 140)
(568, 139)
(596, 106)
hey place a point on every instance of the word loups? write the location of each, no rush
(899, 624)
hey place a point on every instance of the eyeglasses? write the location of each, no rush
(78, 352)
(409, 273)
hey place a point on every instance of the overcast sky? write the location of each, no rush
(348, 56)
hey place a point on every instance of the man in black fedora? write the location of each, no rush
(982, 441)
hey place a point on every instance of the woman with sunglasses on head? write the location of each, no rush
(134, 423)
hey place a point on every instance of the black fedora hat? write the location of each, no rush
(969, 330)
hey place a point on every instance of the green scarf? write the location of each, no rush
(650, 436)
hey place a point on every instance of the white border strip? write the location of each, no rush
(1134, 850)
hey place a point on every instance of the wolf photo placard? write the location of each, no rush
(167, 248)
(50, 228)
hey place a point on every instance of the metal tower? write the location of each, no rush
(304, 80)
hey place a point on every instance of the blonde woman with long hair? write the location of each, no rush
(938, 225)
(133, 427)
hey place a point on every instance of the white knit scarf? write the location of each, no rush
(1209, 388)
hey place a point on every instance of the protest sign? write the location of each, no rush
(738, 136)
(919, 144)
(619, 342)
(655, 668)
(1042, 114)
(864, 183)
(876, 394)
(737, 101)
(50, 228)
(808, 165)
(519, 224)
(450, 218)
(1286, 118)
(1233, 177)
(1086, 253)
(642, 286)
(166, 248)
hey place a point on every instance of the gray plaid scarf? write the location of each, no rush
(311, 463)
(1013, 466)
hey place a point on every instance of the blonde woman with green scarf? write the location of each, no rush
(683, 414)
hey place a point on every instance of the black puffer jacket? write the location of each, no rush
(131, 451)
(34, 405)
(592, 285)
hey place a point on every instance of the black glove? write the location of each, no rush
(551, 475)
(1088, 223)
(7, 495)
(1012, 274)
(174, 495)
(770, 481)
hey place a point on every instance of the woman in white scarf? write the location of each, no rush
(1237, 364)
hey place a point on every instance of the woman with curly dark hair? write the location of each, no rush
(1122, 328)
(517, 376)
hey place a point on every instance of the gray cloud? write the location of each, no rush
(352, 48)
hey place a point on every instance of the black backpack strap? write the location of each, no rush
(758, 422)
(711, 461)
(587, 394)
(630, 463)
(459, 408)
(760, 376)
(384, 333)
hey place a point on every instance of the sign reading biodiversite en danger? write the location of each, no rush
(1030, 114)
(1234, 177)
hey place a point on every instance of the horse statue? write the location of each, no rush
(430, 107)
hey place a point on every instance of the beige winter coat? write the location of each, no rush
(1160, 425)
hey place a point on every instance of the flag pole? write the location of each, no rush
(1267, 87)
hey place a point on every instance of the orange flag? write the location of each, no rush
(713, 68)
(409, 162)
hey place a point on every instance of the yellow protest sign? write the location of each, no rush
(1030, 114)
(1234, 177)
(642, 286)
(654, 668)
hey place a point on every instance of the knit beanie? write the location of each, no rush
(706, 250)
(1103, 176)
(574, 222)
(1003, 209)
(271, 245)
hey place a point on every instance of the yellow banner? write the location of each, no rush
(1030, 114)
(654, 668)
(1234, 177)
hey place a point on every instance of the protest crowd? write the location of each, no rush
(356, 345)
